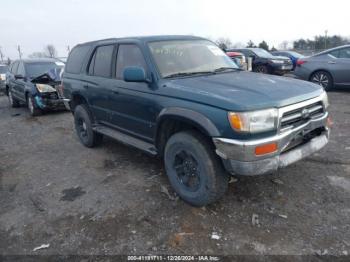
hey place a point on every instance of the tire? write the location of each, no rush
(323, 79)
(261, 69)
(187, 152)
(13, 101)
(83, 127)
(34, 110)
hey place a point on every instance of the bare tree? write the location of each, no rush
(283, 45)
(50, 51)
(224, 43)
(37, 55)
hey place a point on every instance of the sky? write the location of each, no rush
(32, 24)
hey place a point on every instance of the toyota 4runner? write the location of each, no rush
(185, 100)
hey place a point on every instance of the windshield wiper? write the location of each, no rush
(224, 68)
(189, 74)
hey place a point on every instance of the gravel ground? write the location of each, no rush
(116, 200)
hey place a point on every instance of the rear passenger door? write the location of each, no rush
(99, 83)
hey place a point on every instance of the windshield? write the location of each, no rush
(262, 53)
(189, 56)
(37, 69)
(3, 69)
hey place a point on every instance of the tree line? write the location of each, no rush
(318, 43)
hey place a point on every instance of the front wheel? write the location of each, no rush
(194, 171)
(261, 69)
(323, 79)
(34, 110)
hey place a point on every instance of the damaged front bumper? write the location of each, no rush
(49, 101)
(239, 157)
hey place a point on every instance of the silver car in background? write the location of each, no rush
(329, 68)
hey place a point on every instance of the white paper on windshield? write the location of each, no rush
(59, 63)
(216, 50)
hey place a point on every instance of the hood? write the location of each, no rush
(50, 77)
(241, 90)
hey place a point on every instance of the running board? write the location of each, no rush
(126, 139)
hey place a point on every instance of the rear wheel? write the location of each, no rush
(323, 79)
(13, 101)
(34, 110)
(194, 171)
(261, 69)
(83, 126)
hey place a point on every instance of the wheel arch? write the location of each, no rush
(77, 99)
(320, 70)
(173, 120)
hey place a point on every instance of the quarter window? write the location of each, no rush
(129, 55)
(76, 58)
(101, 62)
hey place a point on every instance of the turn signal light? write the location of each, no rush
(329, 122)
(235, 121)
(266, 149)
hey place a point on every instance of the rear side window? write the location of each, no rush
(129, 55)
(76, 58)
(344, 53)
(101, 62)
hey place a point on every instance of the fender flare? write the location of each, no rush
(198, 119)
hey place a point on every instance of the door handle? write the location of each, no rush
(115, 92)
(86, 86)
(331, 62)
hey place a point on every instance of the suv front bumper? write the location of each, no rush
(239, 156)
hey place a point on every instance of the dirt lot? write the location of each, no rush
(113, 199)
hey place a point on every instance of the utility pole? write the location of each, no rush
(19, 52)
(325, 39)
(1, 55)
(68, 49)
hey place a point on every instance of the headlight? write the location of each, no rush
(255, 121)
(325, 101)
(277, 61)
(42, 88)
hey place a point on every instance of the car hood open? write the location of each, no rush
(52, 76)
(241, 90)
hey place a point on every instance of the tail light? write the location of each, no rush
(300, 62)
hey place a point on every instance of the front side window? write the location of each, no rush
(129, 55)
(188, 56)
(101, 62)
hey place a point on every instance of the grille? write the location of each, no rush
(299, 116)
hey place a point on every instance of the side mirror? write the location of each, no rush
(19, 77)
(135, 74)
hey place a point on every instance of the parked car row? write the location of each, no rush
(328, 69)
(183, 99)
